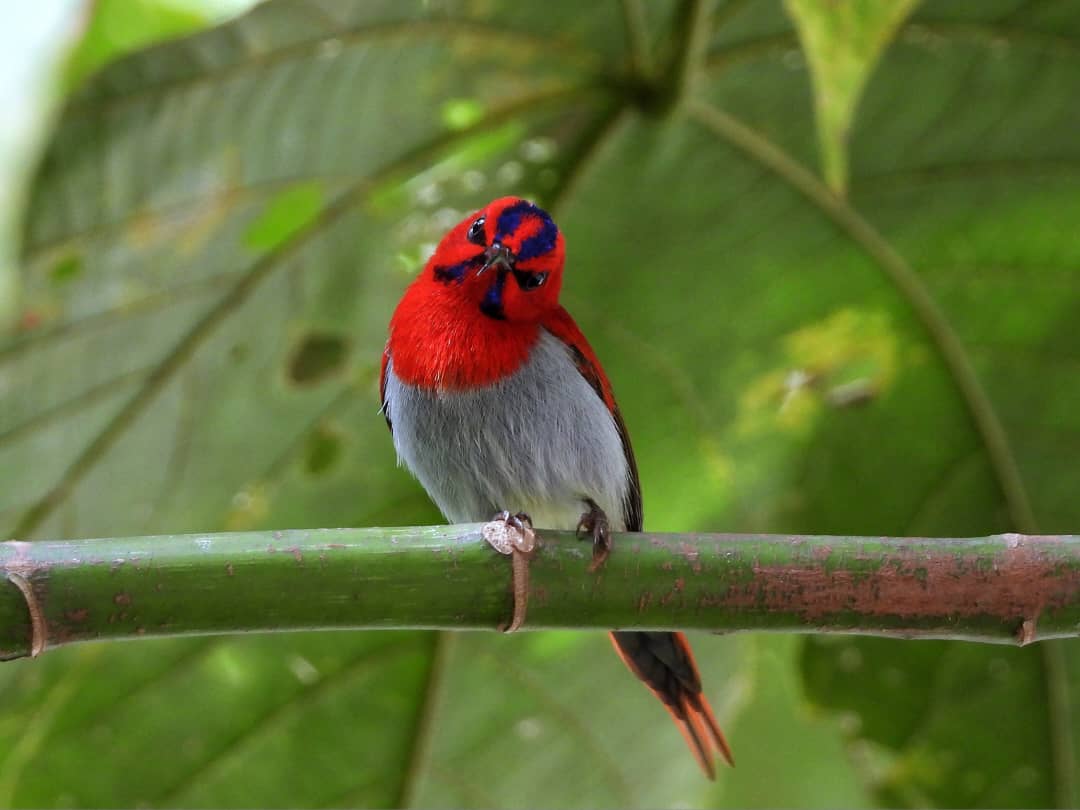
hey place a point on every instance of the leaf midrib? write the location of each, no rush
(421, 28)
(366, 661)
(910, 287)
(957, 362)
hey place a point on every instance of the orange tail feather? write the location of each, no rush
(665, 664)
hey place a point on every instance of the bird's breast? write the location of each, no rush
(538, 440)
(438, 339)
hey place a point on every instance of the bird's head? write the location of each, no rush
(506, 260)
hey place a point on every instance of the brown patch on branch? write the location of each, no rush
(1018, 582)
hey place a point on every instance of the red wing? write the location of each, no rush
(562, 326)
(382, 387)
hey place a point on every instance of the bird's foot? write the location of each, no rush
(513, 535)
(594, 524)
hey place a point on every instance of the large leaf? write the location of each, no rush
(988, 157)
(219, 233)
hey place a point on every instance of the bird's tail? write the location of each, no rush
(665, 664)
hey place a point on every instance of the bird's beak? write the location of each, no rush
(496, 253)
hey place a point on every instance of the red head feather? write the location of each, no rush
(474, 312)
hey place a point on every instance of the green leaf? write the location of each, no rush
(117, 27)
(917, 721)
(842, 43)
(284, 216)
(898, 361)
(778, 731)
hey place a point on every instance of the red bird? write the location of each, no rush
(497, 402)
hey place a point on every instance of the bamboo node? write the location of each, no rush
(38, 630)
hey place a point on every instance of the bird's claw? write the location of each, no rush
(506, 532)
(513, 535)
(594, 523)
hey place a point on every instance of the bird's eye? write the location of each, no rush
(476, 232)
(530, 281)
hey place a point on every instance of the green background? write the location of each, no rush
(827, 252)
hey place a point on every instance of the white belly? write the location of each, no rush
(539, 441)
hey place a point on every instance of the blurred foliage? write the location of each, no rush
(842, 48)
(117, 27)
(222, 225)
(120, 26)
(54, 45)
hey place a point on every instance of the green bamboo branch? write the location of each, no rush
(1003, 588)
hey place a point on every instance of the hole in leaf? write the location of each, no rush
(323, 450)
(317, 357)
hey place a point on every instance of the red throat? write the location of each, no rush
(438, 343)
